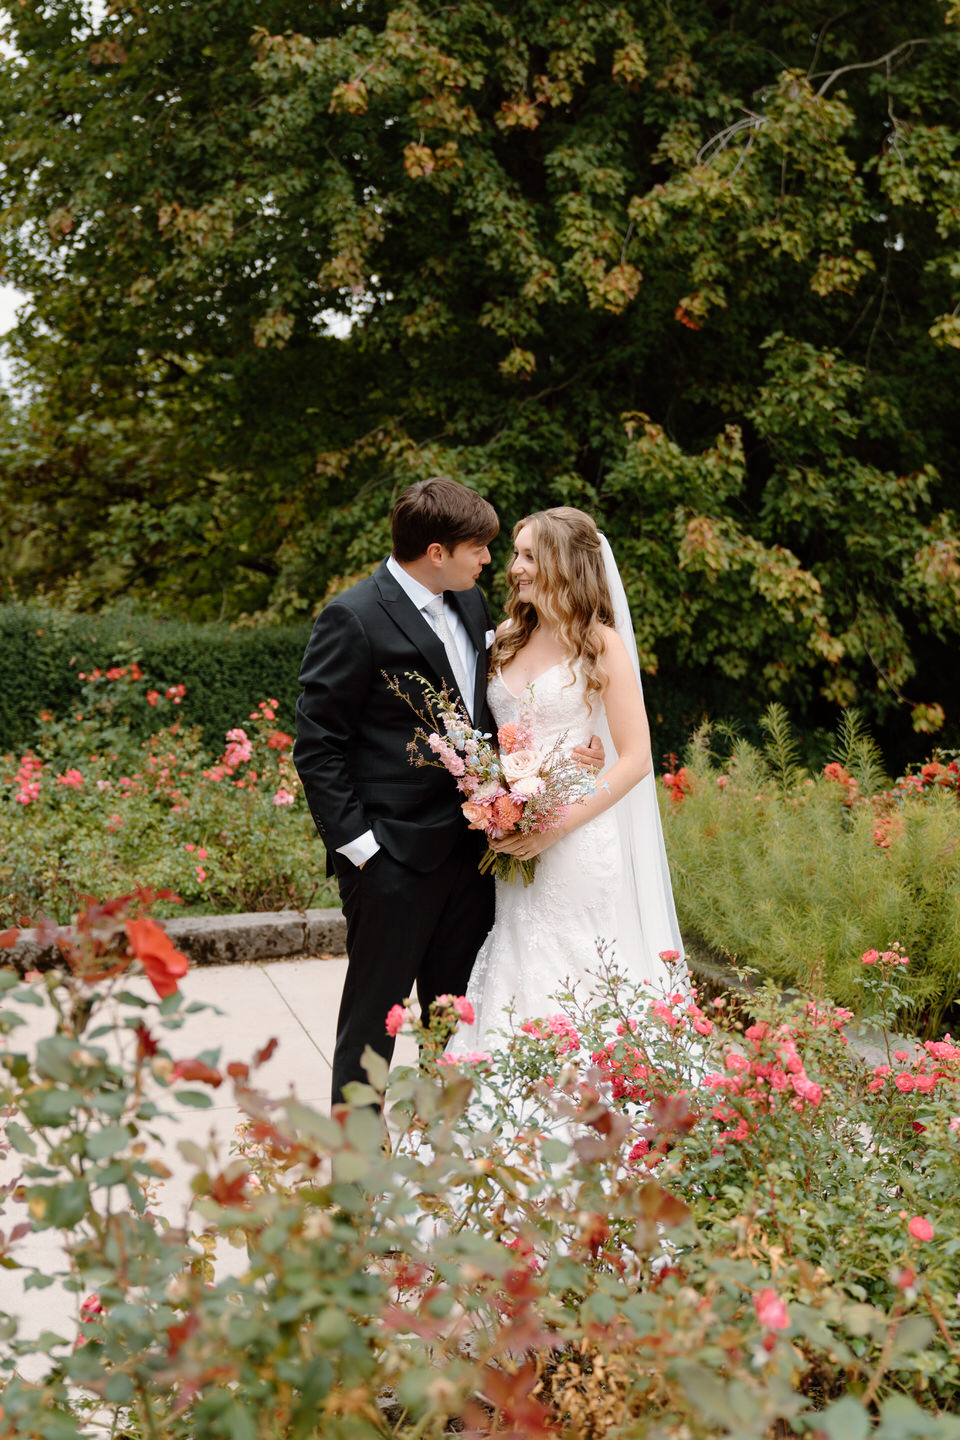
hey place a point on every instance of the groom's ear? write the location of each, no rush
(435, 553)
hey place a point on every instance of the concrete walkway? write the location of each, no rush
(296, 1001)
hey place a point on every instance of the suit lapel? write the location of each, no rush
(401, 610)
(473, 619)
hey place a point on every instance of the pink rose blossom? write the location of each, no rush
(464, 1009)
(396, 1016)
(920, 1229)
(871, 957)
(771, 1311)
(283, 796)
(527, 786)
(807, 1089)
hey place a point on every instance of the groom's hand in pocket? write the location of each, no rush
(592, 756)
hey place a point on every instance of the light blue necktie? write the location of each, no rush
(438, 616)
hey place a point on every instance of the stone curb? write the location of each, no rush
(225, 939)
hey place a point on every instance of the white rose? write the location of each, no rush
(520, 764)
(487, 791)
(528, 786)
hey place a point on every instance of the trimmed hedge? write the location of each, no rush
(226, 671)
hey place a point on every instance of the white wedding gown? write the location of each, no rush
(546, 934)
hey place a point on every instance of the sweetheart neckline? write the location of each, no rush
(533, 681)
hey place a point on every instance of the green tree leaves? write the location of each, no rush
(532, 221)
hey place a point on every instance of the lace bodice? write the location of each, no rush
(553, 704)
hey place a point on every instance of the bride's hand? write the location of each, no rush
(526, 847)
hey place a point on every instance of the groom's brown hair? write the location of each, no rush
(440, 510)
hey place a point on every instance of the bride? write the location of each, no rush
(564, 663)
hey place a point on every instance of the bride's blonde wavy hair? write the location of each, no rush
(570, 593)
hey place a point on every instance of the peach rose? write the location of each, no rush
(476, 816)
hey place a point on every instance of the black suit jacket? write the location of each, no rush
(353, 732)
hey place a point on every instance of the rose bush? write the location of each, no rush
(90, 809)
(542, 1253)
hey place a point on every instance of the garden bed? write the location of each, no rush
(636, 1218)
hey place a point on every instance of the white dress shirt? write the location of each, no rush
(365, 846)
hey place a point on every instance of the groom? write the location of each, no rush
(416, 906)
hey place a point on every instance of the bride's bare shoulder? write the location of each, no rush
(611, 640)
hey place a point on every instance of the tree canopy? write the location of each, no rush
(692, 266)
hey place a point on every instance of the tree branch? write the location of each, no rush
(820, 36)
(864, 64)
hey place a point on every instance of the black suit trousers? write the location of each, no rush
(405, 927)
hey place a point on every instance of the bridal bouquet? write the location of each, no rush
(510, 787)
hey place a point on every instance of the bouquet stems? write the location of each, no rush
(508, 867)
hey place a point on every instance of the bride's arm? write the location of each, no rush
(630, 732)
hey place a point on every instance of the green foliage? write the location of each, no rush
(696, 274)
(602, 1230)
(797, 875)
(43, 650)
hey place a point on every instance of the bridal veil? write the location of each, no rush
(646, 916)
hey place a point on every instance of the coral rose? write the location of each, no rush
(162, 961)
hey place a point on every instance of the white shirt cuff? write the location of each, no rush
(359, 851)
